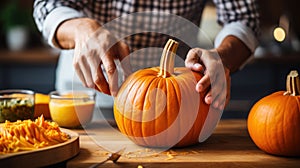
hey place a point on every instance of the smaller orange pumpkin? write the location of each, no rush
(274, 121)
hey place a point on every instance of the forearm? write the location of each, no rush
(70, 30)
(237, 41)
(49, 15)
(233, 53)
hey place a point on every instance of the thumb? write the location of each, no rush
(192, 60)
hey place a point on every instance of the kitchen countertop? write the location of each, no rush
(229, 146)
(41, 55)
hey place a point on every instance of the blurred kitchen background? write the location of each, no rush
(27, 62)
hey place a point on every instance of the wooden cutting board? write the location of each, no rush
(43, 156)
(229, 146)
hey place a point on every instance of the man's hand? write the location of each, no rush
(94, 46)
(216, 77)
(217, 65)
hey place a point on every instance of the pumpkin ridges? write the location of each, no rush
(281, 140)
(202, 113)
(184, 120)
(177, 89)
(196, 129)
(172, 90)
(177, 92)
(142, 97)
(123, 121)
(294, 119)
(129, 86)
(148, 127)
(264, 139)
(160, 122)
(163, 141)
(197, 122)
(127, 98)
(270, 137)
(117, 111)
(255, 132)
(137, 108)
(283, 131)
(281, 146)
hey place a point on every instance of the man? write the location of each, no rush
(81, 26)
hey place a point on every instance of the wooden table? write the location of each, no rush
(229, 146)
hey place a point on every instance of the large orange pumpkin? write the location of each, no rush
(159, 106)
(274, 121)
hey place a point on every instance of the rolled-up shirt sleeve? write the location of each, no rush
(239, 18)
(48, 15)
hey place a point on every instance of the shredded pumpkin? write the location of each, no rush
(29, 135)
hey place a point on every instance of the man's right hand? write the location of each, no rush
(94, 46)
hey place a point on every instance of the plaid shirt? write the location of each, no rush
(239, 18)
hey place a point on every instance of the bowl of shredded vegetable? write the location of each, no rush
(16, 104)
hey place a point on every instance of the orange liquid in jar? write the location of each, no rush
(71, 113)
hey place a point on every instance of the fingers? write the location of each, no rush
(216, 95)
(203, 83)
(82, 69)
(100, 82)
(98, 79)
(216, 82)
(222, 91)
(101, 49)
(120, 51)
(89, 72)
(192, 60)
(111, 72)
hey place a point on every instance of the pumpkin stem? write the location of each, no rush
(292, 84)
(167, 59)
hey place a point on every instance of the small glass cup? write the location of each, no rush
(16, 104)
(72, 108)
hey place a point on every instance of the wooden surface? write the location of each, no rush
(44, 156)
(229, 146)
